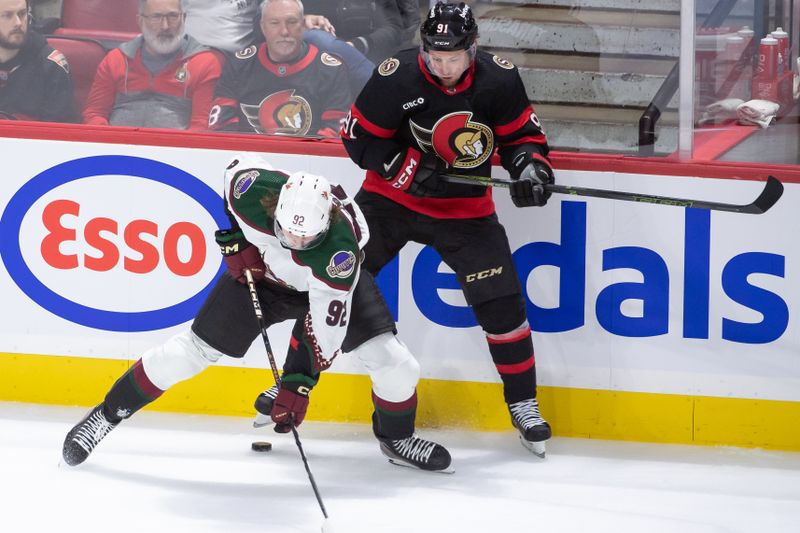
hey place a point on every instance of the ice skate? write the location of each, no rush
(533, 429)
(416, 452)
(264, 407)
(86, 434)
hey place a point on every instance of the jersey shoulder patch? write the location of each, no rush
(389, 66)
(336, 260)
(247, 53)
(247, 192)
(342, 264)
(59, 59)
(503, 62)
(330, 60)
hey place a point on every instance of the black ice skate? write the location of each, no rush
(417, 453)
(264, 407)
(533, 429)
(86, 434)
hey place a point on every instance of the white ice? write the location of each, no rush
(173, 473)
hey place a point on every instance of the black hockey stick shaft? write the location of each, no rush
(773, 190)
(251, 284)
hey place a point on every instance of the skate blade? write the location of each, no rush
(536, 448)
(262, 420)
(397, 462)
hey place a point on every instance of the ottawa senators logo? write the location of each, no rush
(59, 59)
(456, 140)
(182, 74)
(281, 113)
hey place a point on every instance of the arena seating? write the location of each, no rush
(110, 22)
(83, 56)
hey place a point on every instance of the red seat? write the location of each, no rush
(83, 56)
(107, 21)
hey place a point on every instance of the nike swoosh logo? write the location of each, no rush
(390, 164)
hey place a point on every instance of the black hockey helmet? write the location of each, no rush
(448, 27)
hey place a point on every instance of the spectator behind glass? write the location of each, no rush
(373, 27)
(409, 14)
(223, 24)
(34, 78)
(162, 79)
(283, 86)
(359, 68)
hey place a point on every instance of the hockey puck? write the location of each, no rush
(261, 446)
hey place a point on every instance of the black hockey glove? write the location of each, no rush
(414, 172)
(530, 172)
(290, 404)
(239, 255)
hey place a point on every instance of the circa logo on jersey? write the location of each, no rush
(457, 140)
(280, 113)
(342, 264)
(113, 242)
(503, 62)
(331, 61)
(243, 183)
(388, 66)
(250, 51)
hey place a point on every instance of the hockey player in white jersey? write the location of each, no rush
(302, 240)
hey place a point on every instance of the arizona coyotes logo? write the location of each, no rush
(457, 140)
(281, 113)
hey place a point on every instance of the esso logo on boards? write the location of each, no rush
(113, 242)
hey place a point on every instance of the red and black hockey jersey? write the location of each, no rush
(255, 95)
(404, 105)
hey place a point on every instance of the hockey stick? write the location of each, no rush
(773, 189)
(251, 284)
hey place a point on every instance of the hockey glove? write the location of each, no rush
(290, 405)
(239, 255)
(414, 172)
(530, 172)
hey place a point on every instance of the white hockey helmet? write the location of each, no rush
(303, 213)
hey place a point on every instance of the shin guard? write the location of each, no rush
(512, 354)
(132, 391)
(394, 420)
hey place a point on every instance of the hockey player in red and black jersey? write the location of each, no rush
(447, 107)
(283, 86)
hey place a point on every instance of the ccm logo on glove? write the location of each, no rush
(290, 406)
(413, 172)
(239, 255)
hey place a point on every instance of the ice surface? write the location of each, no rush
(173, 473)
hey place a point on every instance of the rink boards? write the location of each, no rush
(650, 323)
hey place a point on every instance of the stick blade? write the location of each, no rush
(772, 192)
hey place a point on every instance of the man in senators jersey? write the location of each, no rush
(283, 86)
(446, 108)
